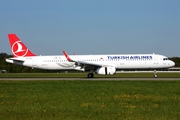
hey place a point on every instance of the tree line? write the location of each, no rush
(11, 68)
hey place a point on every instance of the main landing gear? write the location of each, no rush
(90, 75)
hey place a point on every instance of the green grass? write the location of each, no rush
(84, 75)
(99, 100)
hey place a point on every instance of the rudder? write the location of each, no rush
(18, 48)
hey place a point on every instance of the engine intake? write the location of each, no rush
(106, 71)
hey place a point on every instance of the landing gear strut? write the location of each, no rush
(155, 74)
(90, 75)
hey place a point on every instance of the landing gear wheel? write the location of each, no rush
(90, 75)
(156, 76)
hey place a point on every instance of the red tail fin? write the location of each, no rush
(18, 48)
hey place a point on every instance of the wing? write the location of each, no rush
(83, 64)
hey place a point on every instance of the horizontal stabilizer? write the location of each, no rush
(15, 61)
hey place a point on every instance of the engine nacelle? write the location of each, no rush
(106, 71)
(79, 68)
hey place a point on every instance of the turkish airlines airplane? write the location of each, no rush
(100, 64)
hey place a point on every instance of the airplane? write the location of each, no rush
(106, 64)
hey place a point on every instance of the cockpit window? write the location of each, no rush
(165, 58)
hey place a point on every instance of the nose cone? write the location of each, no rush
(171, 63)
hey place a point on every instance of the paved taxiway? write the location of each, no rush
(97, 79)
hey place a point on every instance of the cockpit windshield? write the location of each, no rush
(165, 58)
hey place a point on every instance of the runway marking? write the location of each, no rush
(97, 79)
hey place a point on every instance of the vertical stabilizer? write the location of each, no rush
(18, 48)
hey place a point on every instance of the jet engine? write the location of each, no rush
(106, 71)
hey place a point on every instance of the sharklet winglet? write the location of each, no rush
(67, 56)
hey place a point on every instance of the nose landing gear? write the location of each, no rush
(155, 74)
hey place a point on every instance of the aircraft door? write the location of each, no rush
(34, 62)
(156, 59)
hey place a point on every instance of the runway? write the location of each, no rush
(94, 79)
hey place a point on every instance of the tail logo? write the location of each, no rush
(18, 49)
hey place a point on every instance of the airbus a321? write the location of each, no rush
(99, 64)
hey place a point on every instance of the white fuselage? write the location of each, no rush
(119, 61)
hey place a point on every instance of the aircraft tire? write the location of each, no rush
(156, 76)
(90, 75)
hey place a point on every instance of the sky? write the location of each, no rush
(47, 27)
